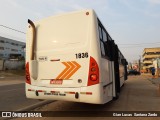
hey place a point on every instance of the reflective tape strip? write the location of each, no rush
(41, 90)
(82, 92)
(70, 92)
(86, 93)
(31, 90)
(55, 91)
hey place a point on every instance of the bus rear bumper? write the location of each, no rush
(80, 94)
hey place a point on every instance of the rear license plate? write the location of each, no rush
(57, 82)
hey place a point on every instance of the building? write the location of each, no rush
(149, 55)
(11, 49)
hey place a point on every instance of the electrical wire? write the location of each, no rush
(12, 29)
(128, 45)
(141, 43)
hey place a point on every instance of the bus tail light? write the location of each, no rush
(93, 77)
(28, 79)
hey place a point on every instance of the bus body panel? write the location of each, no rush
(121, 71)
(106, 78)
(86, 94)
(63, 50)
(63, 45)
(113, 78)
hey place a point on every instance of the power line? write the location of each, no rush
(144, 45)
(130, 45)
(12, 29)
(138, 45)
(141, 43)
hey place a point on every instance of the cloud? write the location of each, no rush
(154, 2)
(132, 5)
(152, 14)
(14, 13)
(148, 8)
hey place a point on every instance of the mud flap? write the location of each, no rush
(34, 69)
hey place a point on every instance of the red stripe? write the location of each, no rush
(71, 92)
(29, 90)
(40, 90)
(88, 93)
(53, 91)
(55, 60)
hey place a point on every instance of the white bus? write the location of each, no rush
(72, 57)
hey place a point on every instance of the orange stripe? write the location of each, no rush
(76, 67)
(61, 74)
(68, 71)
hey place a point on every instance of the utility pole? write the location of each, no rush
(140, 64)
(158, 67)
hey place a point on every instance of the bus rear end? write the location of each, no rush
(63, 67)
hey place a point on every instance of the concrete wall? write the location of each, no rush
(1, 64)
(14, 65)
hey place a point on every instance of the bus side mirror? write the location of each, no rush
(123, 61)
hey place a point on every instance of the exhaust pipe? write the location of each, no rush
(33, 62)
(33, 39)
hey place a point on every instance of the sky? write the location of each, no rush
(133, 24)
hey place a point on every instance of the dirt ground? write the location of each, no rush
(9, 77)
(12, 73)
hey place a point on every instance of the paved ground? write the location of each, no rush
(12, 92)
(155, 81)
(12, 77)
(11, 80)
(138, 94)
(13, 97)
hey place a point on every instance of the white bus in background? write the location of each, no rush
(71, 57)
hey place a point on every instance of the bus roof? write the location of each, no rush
(68, 13)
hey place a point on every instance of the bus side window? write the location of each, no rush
(100, 32)
(104, 35)
(119, 57)
(101, 41)
(109, 38)
(102, 48)
(107, 44)
(107, 48)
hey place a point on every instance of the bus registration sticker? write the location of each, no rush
(57, 82)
